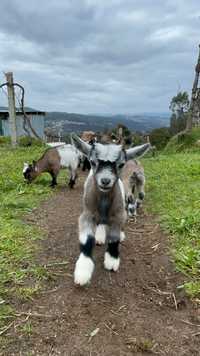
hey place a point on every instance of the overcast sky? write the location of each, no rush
(100, 56)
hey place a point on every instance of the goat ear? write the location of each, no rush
(137, 151)
(26, 166)
(81, 145)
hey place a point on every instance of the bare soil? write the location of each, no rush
(136, 311)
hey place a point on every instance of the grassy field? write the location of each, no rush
(173, 192)
(173, 185)
(17, 199)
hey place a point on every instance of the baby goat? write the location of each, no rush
(134, 181)
(103, 203)
(64, 156)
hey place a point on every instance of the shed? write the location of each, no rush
(36, 119)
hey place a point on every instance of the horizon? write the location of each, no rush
(167, 113)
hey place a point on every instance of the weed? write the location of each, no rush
(139, 344)
(27, 328)
(27, 293)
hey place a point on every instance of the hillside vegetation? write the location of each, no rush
(184, 141)
(173, 184)
(78, 122)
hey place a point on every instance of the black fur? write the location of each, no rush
(54, 181)
(71, 183)
(87, 248)
(86, 164)
(113, 249)
(27, 173)
(103, 209)
(141, 196)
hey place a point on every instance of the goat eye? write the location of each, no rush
(121, 165)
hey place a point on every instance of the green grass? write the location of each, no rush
(173, 191)
(186, 141)
(17, 237)
(173, 186)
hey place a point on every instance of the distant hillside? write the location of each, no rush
(68, 122)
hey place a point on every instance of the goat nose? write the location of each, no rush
(105, 181)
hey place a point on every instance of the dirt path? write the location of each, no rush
(132, 312)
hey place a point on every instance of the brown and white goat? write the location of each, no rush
(64, 156)
(103, 204)
(133, 179)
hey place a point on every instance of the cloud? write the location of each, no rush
(98, 55)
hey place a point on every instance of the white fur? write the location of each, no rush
(83, 270)
(134, 207)
(83, 237)
(88, 178)
(111, 263)
(108, 152)
(100, 235)
(121, 186)
(68, 156)
(55, 144)
(105, 173)
(84, 232)
(122, 236)
(26, 165)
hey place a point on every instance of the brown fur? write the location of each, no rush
(133, 180)
(87, 136)
(131, 172)
(49, 162)
(93, 198)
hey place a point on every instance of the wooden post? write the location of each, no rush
(11, 108)
(194, 111)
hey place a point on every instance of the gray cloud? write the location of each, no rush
(98, 55)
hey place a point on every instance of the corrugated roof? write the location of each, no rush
(4, 111)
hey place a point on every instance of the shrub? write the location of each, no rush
(160, 137)
(4, 140)
(26, 141)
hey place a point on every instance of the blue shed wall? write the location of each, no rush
(37, 122)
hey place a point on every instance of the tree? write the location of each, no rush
(180, 115)
(180, 103)
(160, 137)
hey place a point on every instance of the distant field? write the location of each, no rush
(173, 185)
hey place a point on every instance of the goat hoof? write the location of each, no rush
(83, 270)
(111, 263)
(100, 236)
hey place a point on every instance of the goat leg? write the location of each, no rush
(73, 177)
(54, 180)
(85, 265)
(141, 194)
(111, 258)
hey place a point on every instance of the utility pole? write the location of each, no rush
(11, 108)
